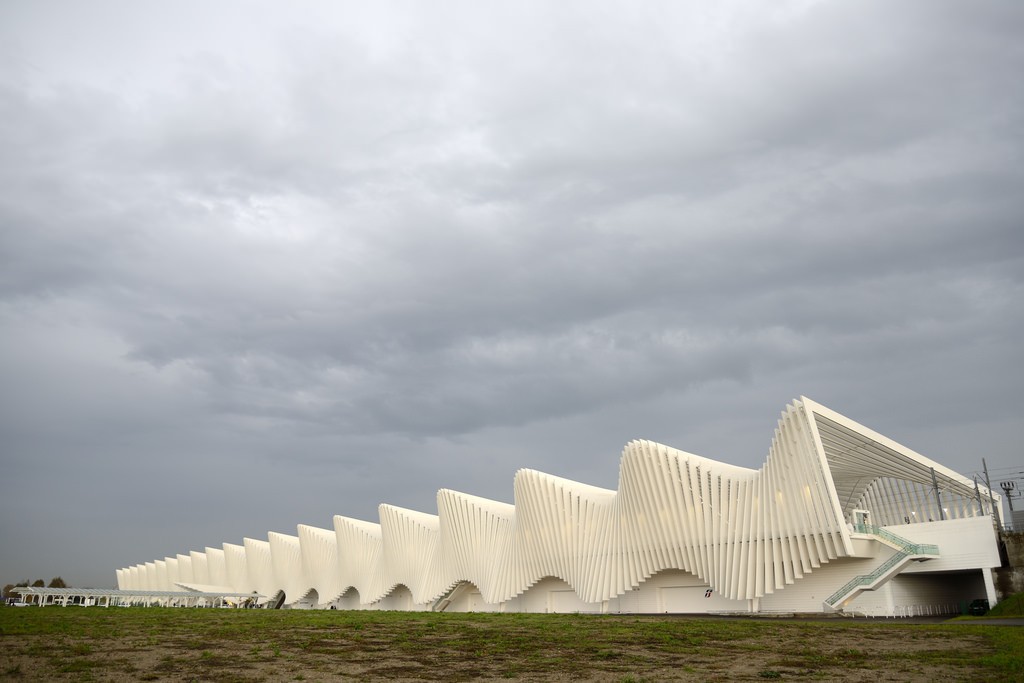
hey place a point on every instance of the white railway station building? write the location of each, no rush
(838, 518)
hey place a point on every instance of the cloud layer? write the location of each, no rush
(263, 266)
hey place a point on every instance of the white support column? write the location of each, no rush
(990, 588)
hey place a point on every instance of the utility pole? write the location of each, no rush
(938, 498)
(1008, 487)
(991, 500)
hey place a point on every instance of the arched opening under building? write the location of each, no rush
(308, 601)
(399, 599)
(552, 595)
(465, 597)
(674, 591)
(349, 600)
(275, 601)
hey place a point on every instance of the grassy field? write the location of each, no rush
(130, 644)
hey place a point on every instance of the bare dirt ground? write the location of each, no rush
(234, 645)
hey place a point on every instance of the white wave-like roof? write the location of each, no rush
(746, 532)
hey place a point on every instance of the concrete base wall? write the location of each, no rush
(1013, 542)
(1008, 581)
(1009, 578)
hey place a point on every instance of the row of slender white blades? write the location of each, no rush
(746, 532)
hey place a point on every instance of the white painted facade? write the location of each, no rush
(838, 517)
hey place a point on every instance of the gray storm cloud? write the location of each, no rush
(263, 265)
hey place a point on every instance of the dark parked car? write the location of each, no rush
(978, 607)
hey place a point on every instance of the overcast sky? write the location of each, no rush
(265, 263)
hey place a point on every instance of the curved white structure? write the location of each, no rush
(319, 550)
(289, 572)
(359, 545)
(236, 568)
(260, 568)
(838, 517)
(218, 574)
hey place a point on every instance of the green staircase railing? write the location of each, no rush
(904, 550)
(897, 542)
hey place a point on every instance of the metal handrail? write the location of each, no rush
(867, 579)
(903, 544)
(905, 549)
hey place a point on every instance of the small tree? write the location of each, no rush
(38, 583)
(57, 582)
(7, 591)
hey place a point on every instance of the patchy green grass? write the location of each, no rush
(124, 644)
(1012, 606)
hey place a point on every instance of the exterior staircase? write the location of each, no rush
(441, 604)
(906, 552)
